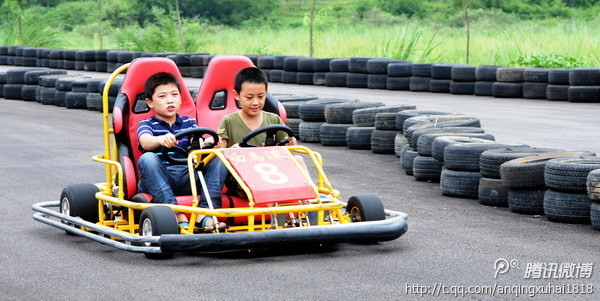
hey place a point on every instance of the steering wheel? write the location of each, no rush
(196, 134)
(271, 131)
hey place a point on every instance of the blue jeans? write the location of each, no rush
(164, 182)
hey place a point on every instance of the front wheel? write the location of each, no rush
(156, 221)
(80, 200)
(365, 208)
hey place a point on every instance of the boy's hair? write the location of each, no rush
(249, 75)
(159, 79)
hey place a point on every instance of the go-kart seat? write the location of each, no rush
(130, 108)
(215, 96)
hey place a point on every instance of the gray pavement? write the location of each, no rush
(452, 244)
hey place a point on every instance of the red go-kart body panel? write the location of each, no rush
(271, 174)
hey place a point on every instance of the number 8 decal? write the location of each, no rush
(270, 174)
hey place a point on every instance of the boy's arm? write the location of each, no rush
(149, 142)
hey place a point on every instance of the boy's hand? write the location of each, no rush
(167, 140)
(292, 141)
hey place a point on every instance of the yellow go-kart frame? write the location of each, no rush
(102, 213)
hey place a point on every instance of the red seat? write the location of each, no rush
(130, 108)
(215, 96)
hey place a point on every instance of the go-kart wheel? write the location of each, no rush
(271, 131)
(80, 200)
(365, 208)
(196, 134)
(156, 221)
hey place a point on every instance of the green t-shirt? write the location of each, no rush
(234, 129)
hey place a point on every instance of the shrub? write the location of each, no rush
(548, 61)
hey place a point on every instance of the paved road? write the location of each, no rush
(451, 241)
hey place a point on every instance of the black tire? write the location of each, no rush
(584, 94)
(319, 78)
(419, 84)
(294, 125)
(59, 98)
(416, 134)
(366, 116)
(283, 98)
(76, 100)
(439, 85)
(47, 95)
(377, 81)
(584, 77)
(557, 92)
(399, 70)
(276, 76)
(289, 77)
(491, 160)
(156, 221)
(438, 121)
(398, 83)
(510, 74)
(536, 75)
(17, 76)
(427, 168)
(528, 172)
(336, 79)
(365, 207)
(492, 192)
(421, 70)
(305, 64)
(402, 116)
(358, 64)
(462, 88)
(334, 134)
(463, 73)
(277, 61)
(595, 216)
(359, 137)
(339, 65)
(93, 101)
(558, 77)
(357, 80)
(290, 63)
(382, 142)
(385, 121)
(526, 200)
(467, 156)
(32, 77)
(304, 78)
(507, 90)
(80, 200)
(442, 71)
(321, 65)
(593, 185)
(314, 110)
(407, 158)
(486, 73)
(440, 143)
(341, 113)
(399, 142)
(463, 184)
(28, 92)
(265, 62)
(426, 137)
(570, 174)
(310, 131)
(13, 91)
(565, 207)
(379, 65)
(483, 88)
(533, 90)
(292, 107)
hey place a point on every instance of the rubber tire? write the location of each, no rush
(533, 90)
(427, 168)
(466, 156)
(492, 192)
(528, 172)
(369, 206)
(310, 131)
(439, 144)
(163, 221)
(486, 73)
(359, 137)
(593, 185)
(405, 114)
(565, 207)
(341, 113)
(558, 77)
(314, 110)
(582, 94)
(419, 84)
(439, 85)
(382, 142)
(584, 77)
(385, 121)
(491, 160)
(595, 216)
(526, 201)
(570, 174)
(463, 73)
(398, 83)
(334, 134)
(462, 88)
(336, 79)
(536, 75)
(510, 74)
(427, 136)
(464, 184)
(366, 116)
(483, 88)
(557, 92)
(407, 158)
(507, 90)
(82, 202)
(399, 70)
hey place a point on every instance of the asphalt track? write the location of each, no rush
(451, 246)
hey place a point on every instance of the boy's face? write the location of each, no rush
(251, 97)
(166, 101)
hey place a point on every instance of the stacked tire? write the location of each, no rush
(558, 85)
(509, 82)
(485, 77)
(593, 191)
(463, 80)
(535, 83)
(421, 77)
(398, 76)
(584, 85)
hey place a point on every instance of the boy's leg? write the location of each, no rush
(155, 179)
(215, 173)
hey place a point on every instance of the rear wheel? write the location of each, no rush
(80, 200)
(365, 207)
(156, 221)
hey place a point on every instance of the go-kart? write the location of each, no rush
(273, 199)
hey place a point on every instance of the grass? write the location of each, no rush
(492, 43)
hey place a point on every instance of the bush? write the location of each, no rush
(548, 61)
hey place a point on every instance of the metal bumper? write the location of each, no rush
(389, 229)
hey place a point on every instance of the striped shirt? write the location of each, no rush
(157, 127)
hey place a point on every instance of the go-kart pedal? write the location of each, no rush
(202, 228)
